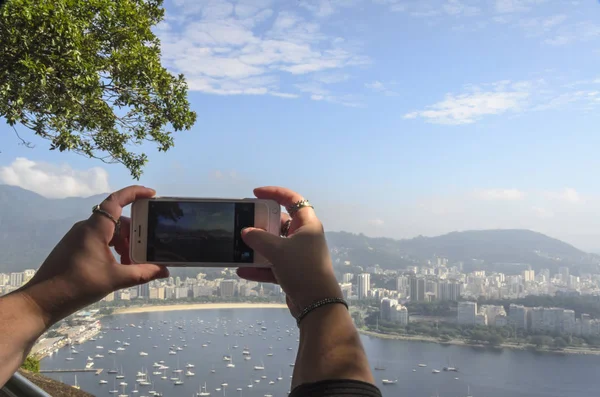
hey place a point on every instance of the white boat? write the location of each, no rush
(270, 354)
(143, 354)
(246, 352)
(189, 373)
(156, 365)
(112, 352)
(189, 365)
(202, 392)
(271, 382)
(103, 382)
(125, 343)
(178, 382)
(100, 347)
(120, 349)
(260, 367)
(226, 358)
(89, 358)
(98, 356)
(422, 365)
(435, 371)
(123, 384)
(263, 377)
(469, 391)
(89, 365)
(76, 385)
(257, 381)
(247, 358)
(389, 382)
(172, 352)
(224, 384)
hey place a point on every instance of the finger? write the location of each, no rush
(284, 220)
(130, 275)
(123, 235)
(114, 204)
(259, 274)
(266, 244)
(287, 198)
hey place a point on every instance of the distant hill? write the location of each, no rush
(487, 249)
(31, 225)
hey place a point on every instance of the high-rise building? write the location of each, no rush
(402, 284)
(449, 290)
(537, 318)
(528, 275)
(347, 278)
(363, 285)
(156, 293)
(385, 308)
(517, 316)
(467, 312)
(417, 289)
(227, 288)
(564, 274)
(346, 290)
(143, 291)
(399, 315)
(16, 279)
(28, 274)
(110, 297)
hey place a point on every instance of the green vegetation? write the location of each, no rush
(580, 304)
(86, 76)
(31, 364)
(480, 335)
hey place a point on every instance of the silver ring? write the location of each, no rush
(292, 209)
(285, 229)
(97, 210)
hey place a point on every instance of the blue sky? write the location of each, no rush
(396, 118)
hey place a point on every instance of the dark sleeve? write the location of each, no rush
(336, 388)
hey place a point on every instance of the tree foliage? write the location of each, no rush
(31, 364)
(86, 75)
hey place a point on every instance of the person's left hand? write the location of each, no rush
(82, 269)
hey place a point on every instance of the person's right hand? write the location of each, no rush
(301, 262)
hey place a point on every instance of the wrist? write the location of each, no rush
(29, 315)
(321, 314)
(47, 300)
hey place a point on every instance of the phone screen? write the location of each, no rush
(191, 231)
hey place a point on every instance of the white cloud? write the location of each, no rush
(54, 181)
(469, 107)
(376, 222)
(511, 6)
(500, 194)
(246, 47)
(580, 31)
(542, 213)
(569, 195)
(504, 96)
(541, 25)
(378, 86)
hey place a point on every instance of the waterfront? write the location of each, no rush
(488, 373)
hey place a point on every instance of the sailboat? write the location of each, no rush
(202, 391)
(230, 364)
(135, 389)
(76, 386)
(70, 358)
(179, 381)
(450, 367)
(120, 375)
(389, 382)
(114, 390)
(469, 391)
(379, 367)
(280, 377)
(123, 392)
(259, 367)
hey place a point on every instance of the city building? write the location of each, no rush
(417, 289)
(346, 290)
(449, 290)
(467, 312)
(16, 279)
(385, 308)
(363, 285)
(399, 315)
(528, 275)
(517, 316)
(347, 278)
(227, 288)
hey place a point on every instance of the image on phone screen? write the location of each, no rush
(198, 232)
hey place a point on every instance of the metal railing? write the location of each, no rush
(20, 386)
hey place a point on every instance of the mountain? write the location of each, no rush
(485, 249)
(31, 225)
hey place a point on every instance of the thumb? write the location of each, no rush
(142, 273)
(266, 244)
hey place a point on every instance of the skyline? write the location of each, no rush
(415, 118)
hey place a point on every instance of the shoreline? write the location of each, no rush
(459, 342)
(196, 306)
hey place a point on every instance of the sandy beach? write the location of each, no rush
(198, 306)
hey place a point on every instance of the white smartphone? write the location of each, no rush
(204, 232)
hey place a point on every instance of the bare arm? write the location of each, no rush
(330, 348)
(20, 327)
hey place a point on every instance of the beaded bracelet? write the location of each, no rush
(318, 304)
